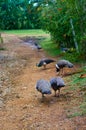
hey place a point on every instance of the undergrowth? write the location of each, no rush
(77, 104)
(53, 50)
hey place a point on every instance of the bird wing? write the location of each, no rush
(43, 86)
(49, 61)
(60, 81)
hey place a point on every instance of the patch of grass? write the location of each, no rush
(81, 111)
(2, 48)
(75, 81)
(77, 86)
(75, 114)
(83, 106)
(29, 32)
(50, 47)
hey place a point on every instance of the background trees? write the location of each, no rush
(18, 14)
(64, 20)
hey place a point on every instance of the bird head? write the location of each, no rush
(70, 65)
(37, 64)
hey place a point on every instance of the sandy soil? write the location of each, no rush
(21, 106)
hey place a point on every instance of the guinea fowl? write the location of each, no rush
(44, 62)
(43, 86)
(38, 46)
(63, 63)
(57, 83)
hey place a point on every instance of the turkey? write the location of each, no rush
(57, 83)
(63, 63)
(44, 62)
(43, 86)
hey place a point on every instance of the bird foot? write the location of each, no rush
(56, 95)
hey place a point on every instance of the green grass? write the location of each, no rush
(77, 86)
(2, 48)
(32, 32)
(50, 47)
(81, 110)
(77, 114)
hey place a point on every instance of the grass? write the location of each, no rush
(32, 32)
(50, 47)
(2, 48)
(81, 111)
(77, 105)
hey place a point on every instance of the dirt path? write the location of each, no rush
(21, 106)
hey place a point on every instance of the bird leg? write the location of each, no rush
(59, 93)
(62, 72)
(55, 94)
(44, 64)
(59, 72)
(42, 100)
(42, 95)
(74, 69)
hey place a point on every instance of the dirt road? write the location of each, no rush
(20, 103)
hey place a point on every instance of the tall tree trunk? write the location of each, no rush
(74, 36)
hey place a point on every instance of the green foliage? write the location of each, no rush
(73, 57)
(18, 14)
(55, 19)
(83, 47)
(53, 50)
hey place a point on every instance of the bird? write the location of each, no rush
(56, 84)
(63, 63)
(43, 86)
(44, 62)
(38, 46)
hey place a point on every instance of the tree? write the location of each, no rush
(18, 14)
(65, 20)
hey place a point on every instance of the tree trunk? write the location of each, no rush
(74, 38)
